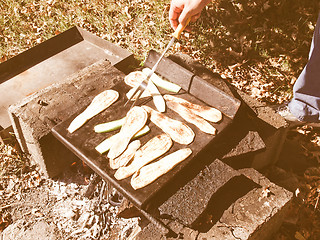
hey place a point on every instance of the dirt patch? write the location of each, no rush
(71, 206)
(34, 207)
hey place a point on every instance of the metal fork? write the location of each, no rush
(143, 85)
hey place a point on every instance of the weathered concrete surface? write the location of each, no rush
(34, 116)
(268, 125)
(52, 62)
(260, 122)
(193, 198)
(252, 142)
(263, 112)
(253, 211)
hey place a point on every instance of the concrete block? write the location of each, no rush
(193, 199)
(34, 116)
(252, 142)
(239, 204)
(258, 123)
(257, 215)
(271, 127)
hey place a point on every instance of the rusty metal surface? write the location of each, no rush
(83, 141)
(52, 62)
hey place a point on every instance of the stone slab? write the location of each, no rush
(252, 142)
(257, 214)
(34, 116)
(263, 111)
(200, 70)
(193, 198)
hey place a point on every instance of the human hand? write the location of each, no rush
(181, 10)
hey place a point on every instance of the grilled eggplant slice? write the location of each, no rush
(135, 78)
(135, 120)
(191, 117)
(153, 149)
(99, 103)
(143, 95)
(126, 156)
(152, 171)
(106, 144)
(209, 113)
(178, 131)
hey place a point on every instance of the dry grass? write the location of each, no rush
(136, 25)
(261, 46)
(11, 162)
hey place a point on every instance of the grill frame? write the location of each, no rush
(82, 142)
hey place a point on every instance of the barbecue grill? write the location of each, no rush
(205, 147)
(194, 89)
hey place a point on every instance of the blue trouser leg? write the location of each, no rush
(305, 104)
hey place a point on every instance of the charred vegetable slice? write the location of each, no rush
(106, 144)
(153, 149)
(135, 78)
(178, 131)
(209, 113)
(99, 103)
(190, 117)
(135, 120)
(126, 156)
(160, 82)
(152, 171)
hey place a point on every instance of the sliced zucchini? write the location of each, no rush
(109, 126)
(160, 82)
(106, 144)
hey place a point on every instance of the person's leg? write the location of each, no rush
(305, 104)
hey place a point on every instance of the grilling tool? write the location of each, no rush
(160, 104)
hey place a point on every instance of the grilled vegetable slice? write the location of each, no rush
(153, 149)
(190, 117)
(107, 143)
(109, 126)
(143, 95)
(178, 131)
(135, 120)
(160, 82)
(126, 156)
(99, 103)
(152, 171)
(134, 79)
(209, 113)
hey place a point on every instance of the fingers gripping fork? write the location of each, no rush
(143, 85)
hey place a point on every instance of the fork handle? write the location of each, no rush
(180, 29)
